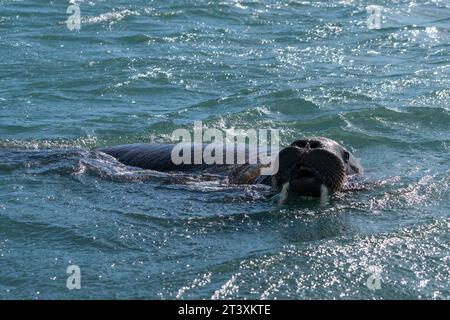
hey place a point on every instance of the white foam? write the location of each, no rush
(111, 17)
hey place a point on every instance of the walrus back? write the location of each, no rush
(158, 157)
(144, 155)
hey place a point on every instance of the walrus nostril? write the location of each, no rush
(314, 145)
(300, 144)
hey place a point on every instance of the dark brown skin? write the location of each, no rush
(307, 165)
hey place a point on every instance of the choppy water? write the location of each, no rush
(139, 69)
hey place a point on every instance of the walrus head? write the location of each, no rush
(314, 165)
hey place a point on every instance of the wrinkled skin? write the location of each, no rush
(312, 163)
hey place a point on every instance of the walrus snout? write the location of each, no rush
(327, 168)
(309, 165)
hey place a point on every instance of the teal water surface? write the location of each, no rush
(137, 70)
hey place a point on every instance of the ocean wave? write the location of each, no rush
(109, 17)
(344, 263)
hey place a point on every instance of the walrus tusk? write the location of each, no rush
(284, 194)
(323, 195)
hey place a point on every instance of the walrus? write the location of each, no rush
(310, 166)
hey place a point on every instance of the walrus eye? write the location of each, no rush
(346, 156)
